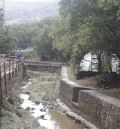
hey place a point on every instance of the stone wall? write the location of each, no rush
(101, 110)
(70, 90)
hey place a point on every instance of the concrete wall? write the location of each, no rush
(37, 66)
(100, 109)
(70, 90)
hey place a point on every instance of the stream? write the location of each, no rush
(44, 111)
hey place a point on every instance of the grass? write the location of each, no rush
(88, 81)
(45, 87)
(91, 82)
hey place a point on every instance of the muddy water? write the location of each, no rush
(48, 118)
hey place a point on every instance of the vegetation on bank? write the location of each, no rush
(83, 26)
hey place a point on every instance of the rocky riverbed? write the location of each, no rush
(33, 105)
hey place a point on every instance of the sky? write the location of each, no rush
(32, 0)
(24, 10)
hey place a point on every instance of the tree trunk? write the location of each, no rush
(100, 70)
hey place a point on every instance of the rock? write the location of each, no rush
(28, 109)
(27, 92)
(32, 109)
(18, 113)
(77, 121)
(43, 110)
(10, 100)
(37, 102)
(51, 108)
(41, 117)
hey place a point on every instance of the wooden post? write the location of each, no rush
(5, 79)
(18, 66)
(16, 69)
(12, 69)
(119, 67)
(1, 97)
(9, 71)
(23, 69)
(1, 83)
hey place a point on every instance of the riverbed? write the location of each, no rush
(39, 95)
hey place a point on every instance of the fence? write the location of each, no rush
(8, 72)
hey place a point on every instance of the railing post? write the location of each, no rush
(16, 68)
(5, 79)
(9, 71)
(12, 69)
(1, 83)
(1, 97)
(23, 69)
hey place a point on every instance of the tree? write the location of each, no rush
(95, 26)
(43, 40)
(62, 40)
(6, 42)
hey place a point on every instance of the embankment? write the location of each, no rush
(101, 110)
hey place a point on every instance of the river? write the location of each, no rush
(44, 109)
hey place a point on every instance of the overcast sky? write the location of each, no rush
(29, 10)
(31, 0)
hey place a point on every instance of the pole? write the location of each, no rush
(5, 79)
(0, 84)
(1, 97)
(16, 69)
(9, 71)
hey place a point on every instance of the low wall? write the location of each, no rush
(102, 110)
(37, 66)
(70, 90)
(83, 74)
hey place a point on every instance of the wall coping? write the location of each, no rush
(47, 64)
(105, 98)
(64, 77)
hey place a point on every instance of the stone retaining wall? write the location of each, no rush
(100, 109)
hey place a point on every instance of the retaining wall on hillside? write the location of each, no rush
(100, 109)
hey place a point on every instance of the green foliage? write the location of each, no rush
(43, 41)
(6, 42)
(62, 40)
(83, 26)
(22, 34)
(95, 26)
